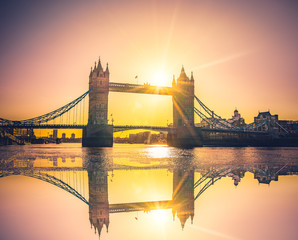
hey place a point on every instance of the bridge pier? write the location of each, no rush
(185, 137)
(97, 136)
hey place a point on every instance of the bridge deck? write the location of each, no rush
(135, 88)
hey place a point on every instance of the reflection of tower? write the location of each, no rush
(183, 195)
(98, 199)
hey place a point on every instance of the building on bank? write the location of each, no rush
(236, 119)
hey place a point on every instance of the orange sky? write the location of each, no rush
(242, 53)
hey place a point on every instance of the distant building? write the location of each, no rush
(157, 138)
(275, 125)
(142, 137)
(262, 116)
(217, 123)
(23, 132)
(55, 133)
(289, 126)
(63, 135)
(132, 138)
(271, 121)
(236, 119)
(121, 140)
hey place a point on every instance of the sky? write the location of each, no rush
(243, 55)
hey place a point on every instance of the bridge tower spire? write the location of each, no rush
(99, 67)
(173, 83)
(107, 72)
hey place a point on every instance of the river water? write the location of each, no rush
(147, 192)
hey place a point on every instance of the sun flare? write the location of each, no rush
(160, 78)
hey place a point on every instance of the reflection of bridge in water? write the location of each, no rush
(185, 188)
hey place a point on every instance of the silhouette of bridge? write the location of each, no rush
(97, 132)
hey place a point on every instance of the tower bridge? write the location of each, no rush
(183, 133)
(98, 133)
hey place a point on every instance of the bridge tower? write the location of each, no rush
(183, 100)
(184, 133)
(98, 133)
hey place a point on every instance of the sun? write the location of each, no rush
(160, 78)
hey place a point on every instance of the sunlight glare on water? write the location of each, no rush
(157, 151)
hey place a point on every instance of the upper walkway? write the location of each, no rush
(136, 88)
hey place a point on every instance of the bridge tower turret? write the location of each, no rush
(98, 133)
